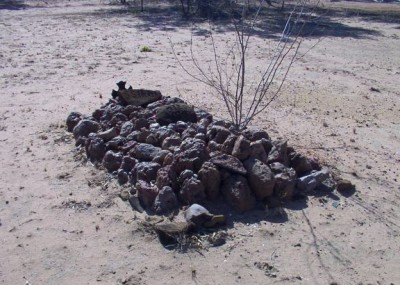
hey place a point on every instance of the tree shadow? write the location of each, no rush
(319, 23)
(12, 5)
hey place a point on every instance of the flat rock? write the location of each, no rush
(230, 163)
(139, 97)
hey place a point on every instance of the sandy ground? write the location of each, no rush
(61, 221)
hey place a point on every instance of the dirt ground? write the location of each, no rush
(61, 220)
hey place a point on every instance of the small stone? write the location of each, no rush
(72, 120)
(146, 171)
(85, 127)
(95, 148)
(278, 153)
(218, 134)
(210, 176)
(108, 134)
(165, 201)
(126, 129)
(241, 149)
(146, 193)
(112, 160)
(309, 182)
(123, 177)
(237, 193)
(125, 195)
(146, 152)
(285, 184)
(345, 187)
(255, 134)
(299, 163)
(201, 217)
(192, 191)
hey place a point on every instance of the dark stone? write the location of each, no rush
(218, 134)
(163, 177)
(112, 160)
(146, 171)
(141, 123)
(175, 112)
(237, 193)
(126, 129)
(241, 149)
(146, 152)
(95, 148)
(186, 174)
(213, 147)
(278, 153)
(108, 134)
(116, 143)
(138, 97)
(146, 193)
(135, 204)
(72, 120)
(257, 151)
(122, 176)
(165, 201)
(210, 176)
(229, 143)
(118, 119)
(98, 114)
(255, 134)
(192, 191)
(345, 187)
(171, 143)
(128, 163)
(313, 180)
(285, 183)
(260, 178)
(299, 163)
(160, 157)
(85, 127)
(277, 167)
(230, 163)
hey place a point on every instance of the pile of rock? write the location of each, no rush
(173, 154)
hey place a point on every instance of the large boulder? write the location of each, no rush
(261, 178)
(237, 193)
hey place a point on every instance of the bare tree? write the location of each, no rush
(227, 72)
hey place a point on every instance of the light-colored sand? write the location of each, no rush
(61, 223)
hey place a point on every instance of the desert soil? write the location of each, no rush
(61, 220)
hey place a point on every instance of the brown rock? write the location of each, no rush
(230, 163)
(146, 193)
(237, 193)
(211, 179)
(241, 149)
(192, 191)
(260, 177)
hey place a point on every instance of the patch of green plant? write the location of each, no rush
(146, 49)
